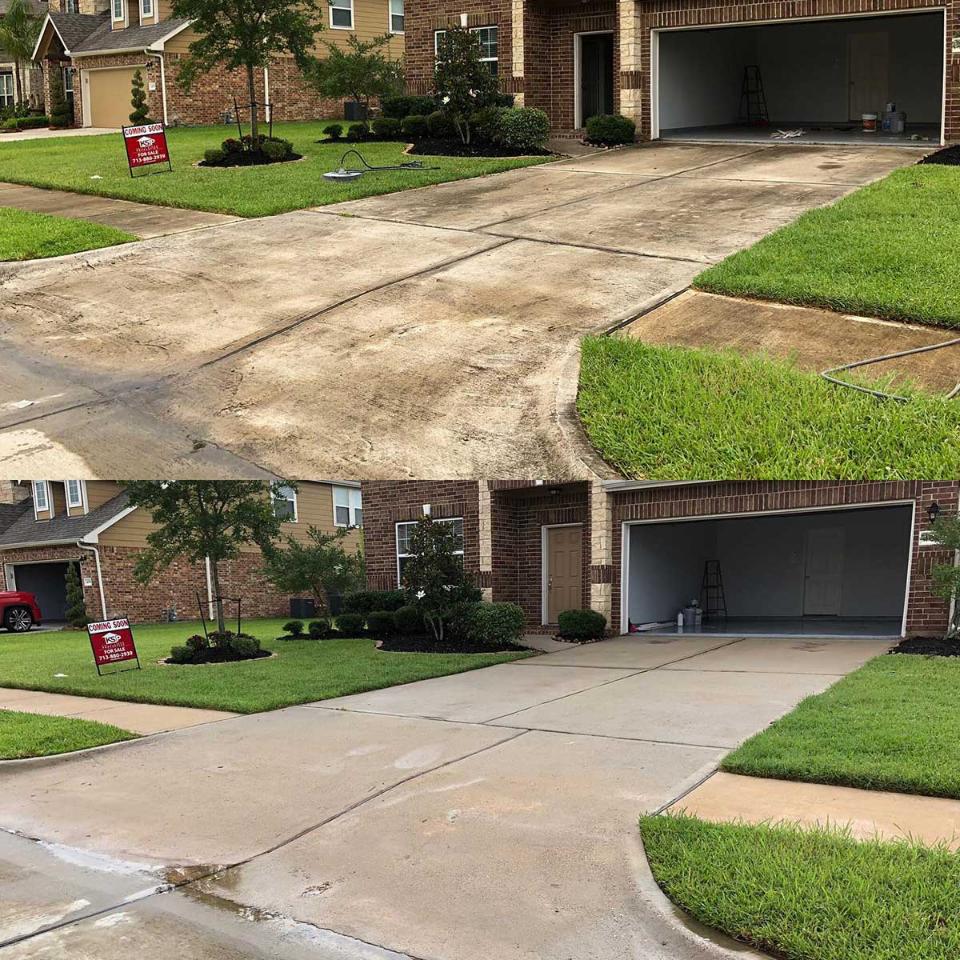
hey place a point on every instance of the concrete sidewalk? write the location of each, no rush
(142, 718)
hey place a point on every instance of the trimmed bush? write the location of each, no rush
(350, 624)
(485, 124)
(523, 128)
(409, 621)
(414, 126)
(440, 126)
(243, 647)
(403, 106)
(214, 156)
(181, 655)
(504, 100)
(335, 131)
(382, 624)
(319, 629)
(27, 123)
(276, 149)
(366, 601)
(610, 129)
(387, 128)
(494, 623)
(357, 132)
(294, 628)
(232, 145)
(582, 625)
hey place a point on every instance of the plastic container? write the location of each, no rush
(869, 122)
(894, 121)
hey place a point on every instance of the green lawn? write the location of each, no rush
(29, 236)
(34, 735)
(304, 670)
(888, 250)
(809, 894)
(672, 413)
(98, 165)
(894, 724)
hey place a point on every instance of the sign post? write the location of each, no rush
(112, 642)
(146, 145)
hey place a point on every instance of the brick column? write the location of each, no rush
(601, 550)
(631, 73)
(485, 537)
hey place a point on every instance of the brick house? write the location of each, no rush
(830, 558)
(46, 525)
(98, 44)
(679, 67)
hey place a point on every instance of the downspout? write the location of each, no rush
(96, 556)
(267, 108)
(211, 613)
(163, 81)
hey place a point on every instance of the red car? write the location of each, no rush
(19, 610)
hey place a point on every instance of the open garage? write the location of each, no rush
(813, 573)
(47, 581)
(806, 80)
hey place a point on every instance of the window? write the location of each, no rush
(487, 38)
(68, 73)
(405, 531)
(117, 7)
(146, 9)
(75, 493)
(70, 6)
(347, 507)
(341, 14)
(285, 503)
(396, 16)
(41, 498)
(7, 93)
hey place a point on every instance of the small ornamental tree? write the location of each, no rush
(320, 567)
(203, 519)
(76, 605)
(245, 35)
(59, 111)
(362, 71)
(463, 83)
(946, 576)
(138, 100)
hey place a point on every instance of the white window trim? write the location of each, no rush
(83, 494)
(123, 11)
(10, 96)
(391, 15)
(396, 540)
(43, 485)
(291, 499)
(341, 5)
(351, 507)
(148, 14)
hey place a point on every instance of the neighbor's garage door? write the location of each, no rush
(109, 96)
(48, 582)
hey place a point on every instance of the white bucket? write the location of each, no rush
(869, 122)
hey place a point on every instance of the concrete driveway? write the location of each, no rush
(487, 814)
(431, 333)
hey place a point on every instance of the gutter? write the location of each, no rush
(163, 80)
(616, 486)
(96, 555)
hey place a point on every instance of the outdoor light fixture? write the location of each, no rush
(933, 511)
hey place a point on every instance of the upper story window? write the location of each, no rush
(487, 38)
(117, 6)
(146, 9)
(74, 493)
(70, 6)
(341, 14)
(41, 496)
(405, 532)
(396, 16)
(347, 507)
(285, 503)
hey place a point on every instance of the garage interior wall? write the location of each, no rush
(763, 563)
(804, 67)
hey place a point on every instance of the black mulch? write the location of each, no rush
(948, 156)
(249, 160)
(441, 148)
(429, 645)
(218, 655)
(929, 646)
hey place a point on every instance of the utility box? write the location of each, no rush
(302, 608)
(352, 110)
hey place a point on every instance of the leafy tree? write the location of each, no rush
(19, 29)
(320, 567)
(245, 34)
(463, 82)
(76, 605)
(138, 100)
(200, 519)
(59, 110)
(433, 575)
(362, 71)
(946, 576)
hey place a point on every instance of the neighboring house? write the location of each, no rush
(678, 66)
(100, 43)
(810, 558)
(90, 523)
(30, 75)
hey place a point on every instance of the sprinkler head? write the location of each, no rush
(343, 174)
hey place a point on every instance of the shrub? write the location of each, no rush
(382, 624)
(440, 126)
(335, 131)
(357, 132)
(214, 157)
(494, 623)
(276, 149)
(366, 601)
(60, 114)
(138, 100)
(196, 643)
(409, 621)
(76, 606)
(319, 629)
(232, 145)
(293, 627)
(462, 82)
(387, 128)
(403, 106)
(486, 124)
(414, 126)
(609, 129)
(582, 625)
(523, 128)
(181, 655)
(244, 647)
(350, 624)
(504, 100)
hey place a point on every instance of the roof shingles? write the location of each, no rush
(24, 529)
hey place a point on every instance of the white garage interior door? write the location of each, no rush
(817, 76)
(823, 573)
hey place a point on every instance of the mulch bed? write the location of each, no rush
(216, 655)
(948, 156)
(929, 646)
(429, 645)
(249, 160)
(442, 148)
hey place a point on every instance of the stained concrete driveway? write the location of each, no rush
(488, 814)
(430, 333)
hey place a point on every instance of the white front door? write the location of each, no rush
(869, 72)
(823, 591)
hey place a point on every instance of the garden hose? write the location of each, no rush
(351, 173)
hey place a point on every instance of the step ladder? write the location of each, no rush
(753, 101)
(713, 600)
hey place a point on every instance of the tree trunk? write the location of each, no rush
(18, 77)
(252, 92)
(215, 578)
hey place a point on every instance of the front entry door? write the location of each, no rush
(596, 75)
(823, 592)
(564, 571)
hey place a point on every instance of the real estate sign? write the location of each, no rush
(146, 146)
(112, 642)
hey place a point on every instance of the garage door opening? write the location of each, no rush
(48, 581)
(825, 573)
(812, 80)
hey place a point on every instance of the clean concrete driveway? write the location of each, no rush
(487, 814)
(430, 333)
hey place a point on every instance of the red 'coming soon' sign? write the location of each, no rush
(112, 642)
(146, 145)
